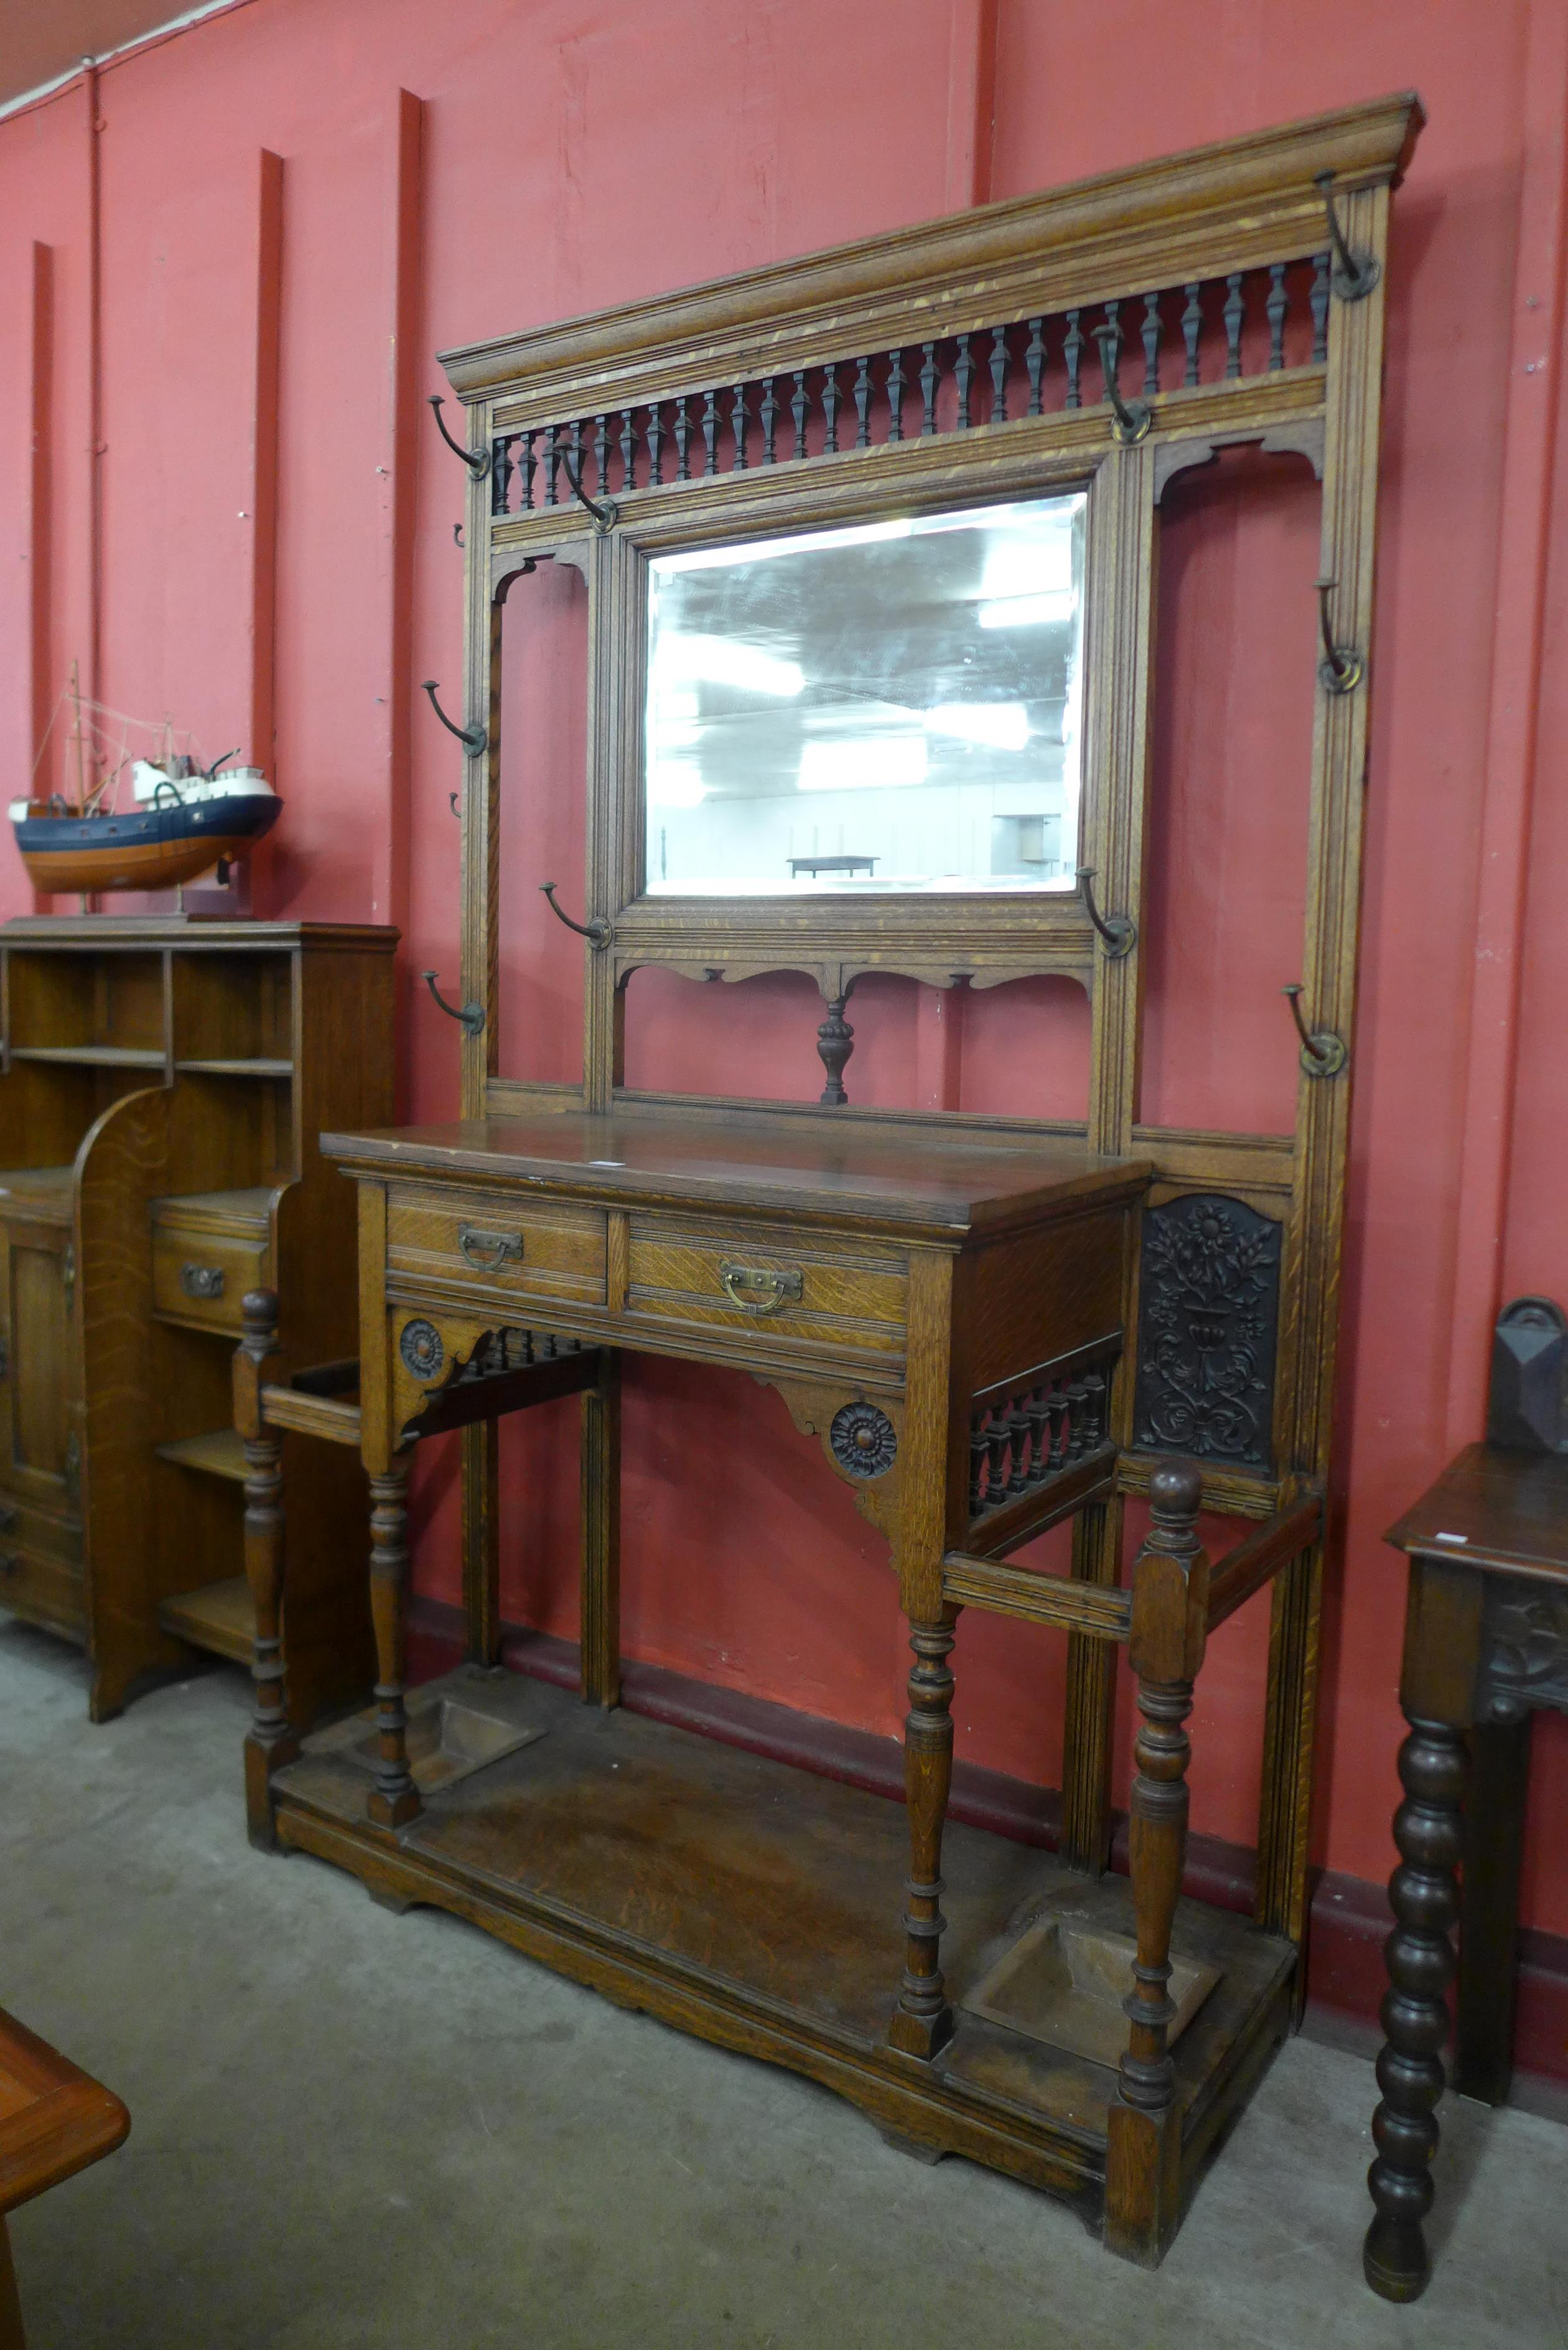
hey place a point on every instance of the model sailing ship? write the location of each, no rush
(184, 818)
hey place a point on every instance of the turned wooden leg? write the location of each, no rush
(922, 2022)
(1170, 1600)
(394, 1797)
(1428, 1829)
(270, 1741)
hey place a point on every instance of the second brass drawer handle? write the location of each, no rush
(201, 1280)
(759, 1288)
(487, 1252)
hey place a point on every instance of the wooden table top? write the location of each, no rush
(54, 2119)
(791, 1161)
(1494, 1507)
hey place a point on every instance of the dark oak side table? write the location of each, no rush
(1486, 1644)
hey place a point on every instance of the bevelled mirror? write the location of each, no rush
(891, 708)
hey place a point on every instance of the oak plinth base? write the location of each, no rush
(746, 1902)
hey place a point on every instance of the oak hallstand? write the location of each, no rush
(991, 1324)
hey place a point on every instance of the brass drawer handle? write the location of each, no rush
(201, 1280)
(759, 1288)
(488, 1251)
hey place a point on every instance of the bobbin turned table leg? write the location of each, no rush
(1169, 1612)
(394, 1798)
(922, 2022)
(1429, 1832)
(270, 1741)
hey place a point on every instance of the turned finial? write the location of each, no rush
(1176, 1493)
(258, 1317)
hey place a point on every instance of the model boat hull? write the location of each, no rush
(152, 849)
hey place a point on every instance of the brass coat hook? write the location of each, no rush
(1323, 1054)
(605, 511)
(475, 740)
(476, 460)
(1133, 417)
(597, 932)
(1341, 669)
(1117, 932)
(469, 1017)
(1355, 273)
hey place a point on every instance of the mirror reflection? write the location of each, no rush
(889, 707)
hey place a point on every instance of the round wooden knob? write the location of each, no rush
(1176, 1491)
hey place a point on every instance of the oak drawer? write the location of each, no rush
(199, 1276)
(23, 1527)
(494, 1245)
(766, 1279)
(46, 1590)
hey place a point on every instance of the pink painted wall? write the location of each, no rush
(571, 156)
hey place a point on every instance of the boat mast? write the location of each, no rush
(77, 733)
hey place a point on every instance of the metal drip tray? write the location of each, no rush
(449, 1737)
(1066, 1985)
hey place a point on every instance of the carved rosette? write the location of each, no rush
(864, 1440)
(1208, 1323)
(421, 1346)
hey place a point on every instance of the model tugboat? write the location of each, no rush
(183, 820)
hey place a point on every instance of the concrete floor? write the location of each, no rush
(350, 2128)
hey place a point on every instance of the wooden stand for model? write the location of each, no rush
(944, 1300)
(163, 1082)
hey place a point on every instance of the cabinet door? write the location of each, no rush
(35, 1303)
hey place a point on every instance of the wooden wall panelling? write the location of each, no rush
(263, 749)
(397, 487)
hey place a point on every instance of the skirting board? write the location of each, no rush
(1349, 1917)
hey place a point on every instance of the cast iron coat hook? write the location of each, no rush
(475, 741)
(597, 932)
(469, 1018)
(1133, 417)
(476, 460)
(1323, 1054)
(1357, 272)
(1118, 934)
(1340, 670)
(605, 511)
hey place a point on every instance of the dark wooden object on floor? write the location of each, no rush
(1486, 1645)
(54, 2121)
(163, 1082)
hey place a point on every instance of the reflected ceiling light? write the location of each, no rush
(720, 660)
(890, 759)
(676, 783)
(1000, 725)
(1030, 611)
(1039, 563)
